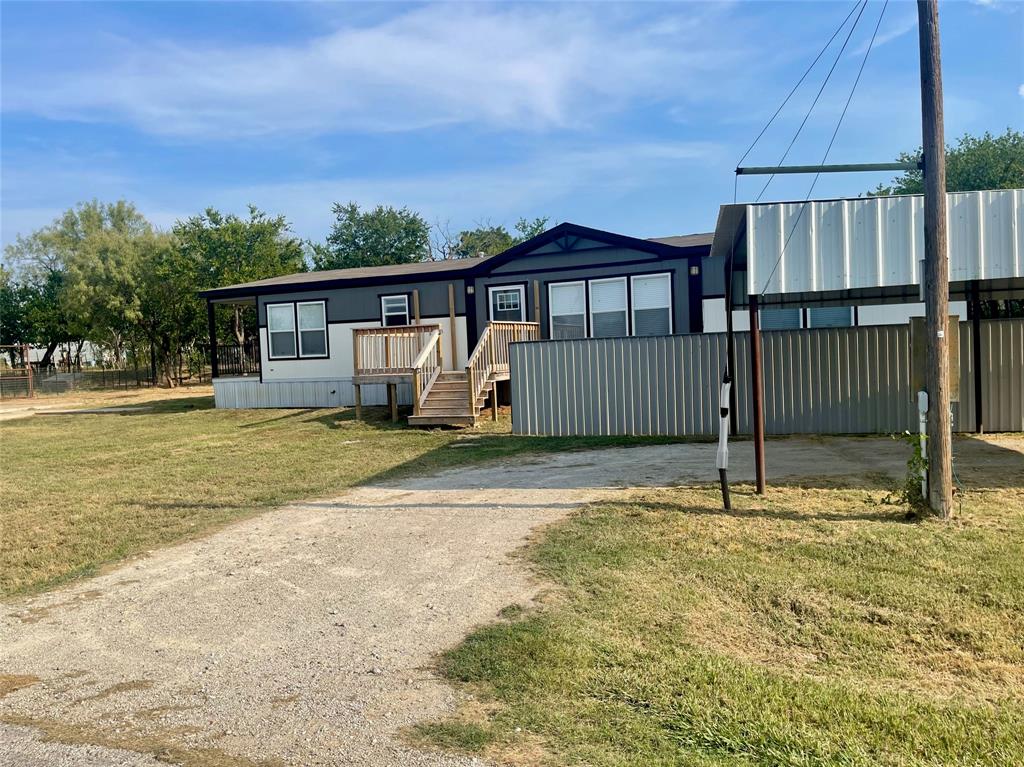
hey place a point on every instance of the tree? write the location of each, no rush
(985, 162)
(172, 317)
(101, 282)
(228, 249)
(378, 237)
(489, 240)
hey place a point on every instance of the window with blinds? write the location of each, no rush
(652, 305)
(281, 330)
(830, 317)
(608, 308)
(567, 310)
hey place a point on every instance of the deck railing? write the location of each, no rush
(390, 351)
(489, 360)
(425, 370)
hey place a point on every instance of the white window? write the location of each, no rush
(567, 310)
(281, 330)
(312, 329)
(608, 308)
(507, 304)
(394, 310)
(652, 305)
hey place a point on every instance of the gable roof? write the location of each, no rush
(678, 246)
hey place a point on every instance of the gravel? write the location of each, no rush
(309, 633)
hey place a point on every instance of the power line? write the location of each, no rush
(828, 149)
(856, 21)
(799, 82)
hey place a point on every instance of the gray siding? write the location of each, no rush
(362, 304)
(824, 381)
(569, 267)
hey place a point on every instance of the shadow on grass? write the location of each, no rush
(876, 514)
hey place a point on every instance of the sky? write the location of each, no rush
(626, 117)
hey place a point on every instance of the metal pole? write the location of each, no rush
(211, 322)
(857, 167)
(936, 267)
(758, 395)
(975, 312)
(730, 348)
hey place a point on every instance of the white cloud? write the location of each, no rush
(891, 29)
(530, 67)
(1020, 90)
(550, 181)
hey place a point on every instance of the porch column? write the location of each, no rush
(212, 329)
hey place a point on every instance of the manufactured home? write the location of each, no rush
(436, 334)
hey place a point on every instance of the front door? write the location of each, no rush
(507, 303)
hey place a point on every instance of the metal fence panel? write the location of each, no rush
(817, 381)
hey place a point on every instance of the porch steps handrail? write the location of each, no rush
(426, 368)
(490, 356)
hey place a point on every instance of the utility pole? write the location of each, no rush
(936, 264)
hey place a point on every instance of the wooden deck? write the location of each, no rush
(415, 353)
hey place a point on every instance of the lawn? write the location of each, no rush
(82, 491)
(815, 626)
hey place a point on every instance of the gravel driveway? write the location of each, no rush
(305, 636)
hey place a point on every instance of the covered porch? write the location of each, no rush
(233, 360)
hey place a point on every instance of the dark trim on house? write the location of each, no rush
(472, 332)
(695, 297)
(474, 270)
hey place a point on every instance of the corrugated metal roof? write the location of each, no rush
(877, 242)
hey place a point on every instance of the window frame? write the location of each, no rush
(671, 296)
(518, 287)
(586, 306)
(298, 330)
(384, 314)
(298, 355)
(625, 310)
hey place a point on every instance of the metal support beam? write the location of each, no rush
(211, 322)
(856, 167)
(757, 390)
(974, 309)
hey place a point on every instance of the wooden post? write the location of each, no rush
(974, 309)
(936, 264)
(451, 324)
(416, 392)
(211, 326)
(536, 301)
(416, 306)
(359, 401)
(757, 388)
(494, 400)
(26, 360)
(393, 401)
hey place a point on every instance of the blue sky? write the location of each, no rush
(624, 117)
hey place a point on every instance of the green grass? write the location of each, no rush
(814, 627)
(83, 491)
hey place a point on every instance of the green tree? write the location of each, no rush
(378, 237)
(171, 313)
(976, 162)
(101, 283)
(228, 249)
(490, 240)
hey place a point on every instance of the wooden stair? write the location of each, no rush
(447, 403)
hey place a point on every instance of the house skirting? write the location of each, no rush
(252, 393)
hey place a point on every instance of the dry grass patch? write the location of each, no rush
(814, 626)
(86, 490)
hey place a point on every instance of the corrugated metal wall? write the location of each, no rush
(818, 381)
(250, 393)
